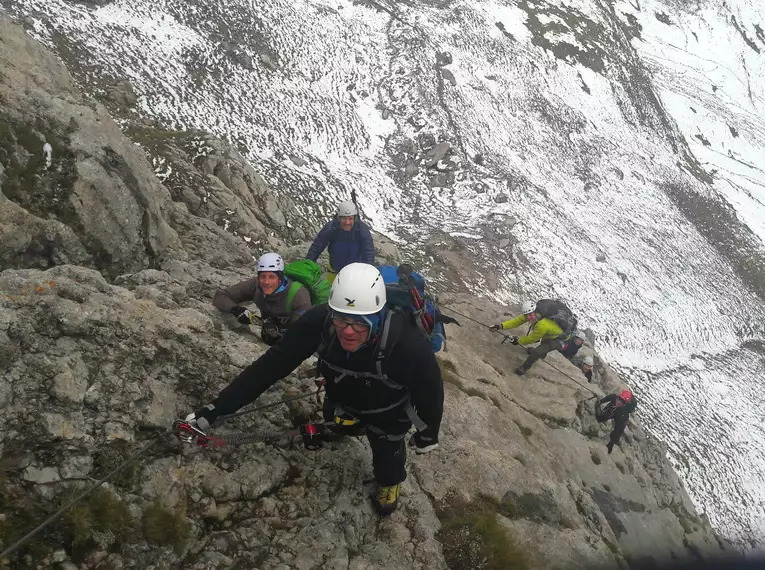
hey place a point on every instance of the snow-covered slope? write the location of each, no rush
(572, 138)
(708, 66)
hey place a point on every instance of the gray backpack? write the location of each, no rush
(557, 311)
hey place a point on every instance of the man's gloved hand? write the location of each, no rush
(610, 447)
(203, 418)
(242, 315)
(424, 441)
(495, 327)
(514, 340)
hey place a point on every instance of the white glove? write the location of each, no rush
(203, 418)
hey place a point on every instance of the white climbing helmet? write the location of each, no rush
(589, 361)
(528, 307)
(580, 334)
(347, 208)
(358, 289)
(270, 262)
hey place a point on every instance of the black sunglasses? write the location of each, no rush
(341, 324)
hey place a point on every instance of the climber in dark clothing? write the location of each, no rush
(617, 408)
(378, 369)
(570, 347)
(348, 238)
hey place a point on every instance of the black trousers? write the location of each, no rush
(388, 450)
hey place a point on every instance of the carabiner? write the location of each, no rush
(187, 433)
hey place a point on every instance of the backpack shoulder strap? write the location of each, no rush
(291, 292)
(382, 348)
(388, 338)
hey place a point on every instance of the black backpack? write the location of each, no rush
(608, 410)
(557, 311)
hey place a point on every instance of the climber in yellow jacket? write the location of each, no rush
(541, 329)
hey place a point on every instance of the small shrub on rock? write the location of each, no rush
(165, 526)
(473, 538)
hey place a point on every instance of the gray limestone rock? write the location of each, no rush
(106, 324)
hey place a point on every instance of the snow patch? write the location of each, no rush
(512, 18)
(48, 154)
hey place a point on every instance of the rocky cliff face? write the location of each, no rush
(106, 324)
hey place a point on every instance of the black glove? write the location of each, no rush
(242, 315)
(495, 327)
(203, 418)
(425, 441)
(610, 447)
(313, 436)
(514, 340)
(448, 320)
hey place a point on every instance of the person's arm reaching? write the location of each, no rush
(513, 323)
(230, 297)
(299, 342)
(320, 243)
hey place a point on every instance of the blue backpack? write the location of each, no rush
(405, 290)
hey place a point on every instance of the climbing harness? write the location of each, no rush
(380, 376)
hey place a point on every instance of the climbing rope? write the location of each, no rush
(190, 434)
(442, 307)
(574, 379)
(272, 404)
(197, 436)
(66, 508)
(507, 337)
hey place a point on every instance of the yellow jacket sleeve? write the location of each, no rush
(513, 323)
(545, 328)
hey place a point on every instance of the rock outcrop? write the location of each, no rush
(88, 197)
(106, 325)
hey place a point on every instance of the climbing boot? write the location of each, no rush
(387, 499)
(520, 371)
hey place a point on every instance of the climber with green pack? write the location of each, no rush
(281, 292)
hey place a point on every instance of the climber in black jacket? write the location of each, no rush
(380, 374)
(617, 408)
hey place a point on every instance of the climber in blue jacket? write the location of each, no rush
(348, 238)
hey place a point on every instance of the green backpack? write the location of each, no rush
(306, 273)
